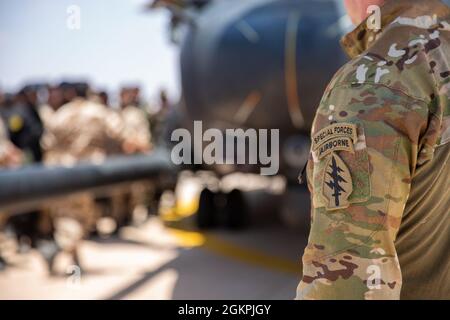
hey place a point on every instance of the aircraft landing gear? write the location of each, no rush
(235, 210)
(222, 209)
(206, 213)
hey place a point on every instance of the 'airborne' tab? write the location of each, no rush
(335, 144)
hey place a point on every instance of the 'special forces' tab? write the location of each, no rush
(334, 131)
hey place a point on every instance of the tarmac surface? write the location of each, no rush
(161, 261)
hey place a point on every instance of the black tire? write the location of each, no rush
(206, 214)
(236, 211)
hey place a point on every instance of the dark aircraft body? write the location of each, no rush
(259, 64)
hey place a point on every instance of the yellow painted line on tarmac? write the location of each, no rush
(190, 239)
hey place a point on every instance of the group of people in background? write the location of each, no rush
(70, 122)
(67, 124)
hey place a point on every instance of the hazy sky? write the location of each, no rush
(117, 44)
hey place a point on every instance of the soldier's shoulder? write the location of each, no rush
(406, 58)
(132, 111)
(64, 112)
(77, 109)
(92, 108)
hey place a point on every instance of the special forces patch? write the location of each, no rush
(337, 183)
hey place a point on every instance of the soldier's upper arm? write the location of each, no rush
(365, 143)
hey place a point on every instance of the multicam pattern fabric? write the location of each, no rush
(396, 92)
(80, 130)
(83, 130)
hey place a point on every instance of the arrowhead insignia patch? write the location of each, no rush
(337, 183)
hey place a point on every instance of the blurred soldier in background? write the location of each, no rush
(83, 130)
(159, 120)
(10, 155)
(80, 130)
(23, 122)
(137, 131)
(136, 125)
(55, 99)
(103, 98)
(69, 91)
(24, 128)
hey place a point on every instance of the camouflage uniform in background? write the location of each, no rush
(378, 170)
(83, 130)
(138, 137)
(10, 156)
(136, 128)
(46, 113)
(4, 160)
(80, 130)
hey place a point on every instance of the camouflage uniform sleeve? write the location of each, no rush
(366, 139)
(114, 126)
(3, 143)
